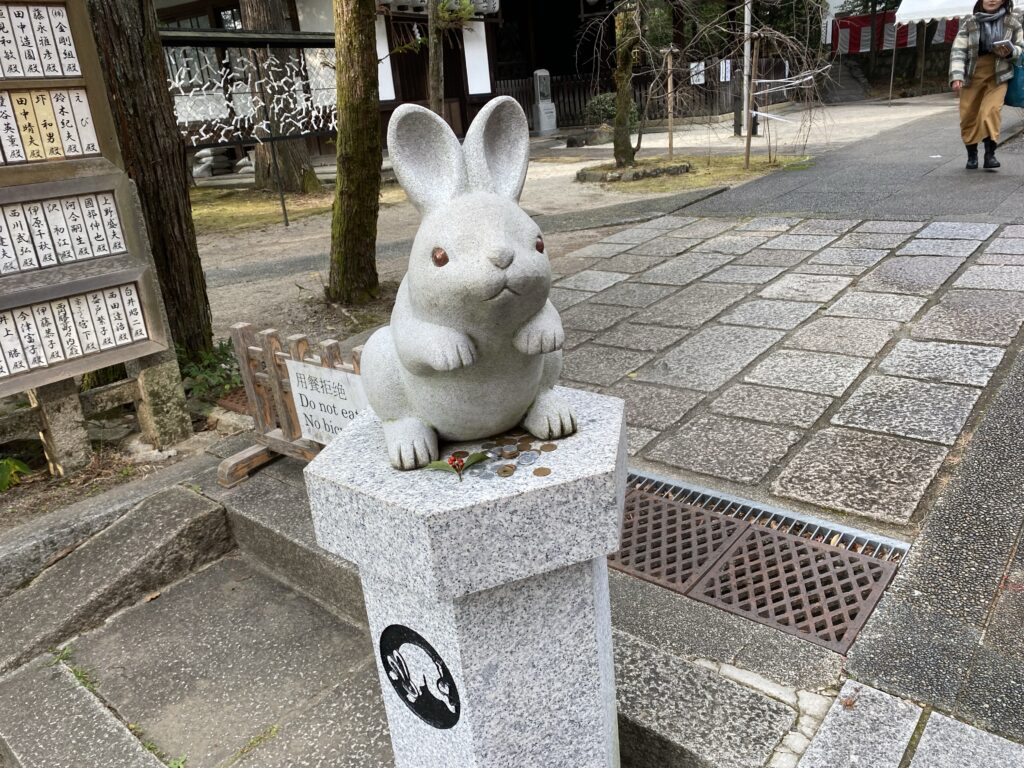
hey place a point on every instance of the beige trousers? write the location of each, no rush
(981, 103)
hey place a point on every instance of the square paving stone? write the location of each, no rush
(683, 270)
(775, 406)
(667, 222)
(570, 265)
(573, 338)
(735, 244)
(824, 227)
(994, 278)
(591, 280)
(600, 250)
(694, 305)
(859, 257)
(704, 228)
(734, 274)
(780, 257)
(637, 438)
(844, 335)
(829, 269)
(728, 448)
(635, 294)
(770, 224)
(921, 247)
(983, 317)
(883, 306)
(587, 316)
(765, 313)
(909, 408)
(595, 364)
(1001, 259)
(890, 227)
(921, 275)
(948, 743)
(876, 476)
(873, 240)
(939, 361)
(958, 230)
(563, 298)
(1009, 245)
(817, 372)
(651, 338)
(800, 242)
(872, 733)
(1012, 230)
(633, 236)
(806, 287)
(663, 246)
(631, 262)
(654, 407)
(709, 358)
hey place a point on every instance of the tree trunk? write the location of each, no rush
(353, 278)
(154, 158)
(435, 57)
(875, 35)
(293, 165)
(626, 40)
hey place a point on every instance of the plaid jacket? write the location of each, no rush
(964, 56)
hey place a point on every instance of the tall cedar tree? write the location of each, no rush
(627, 40)
(353, 278)
(154, 157)
(294, 166)
(435, 57)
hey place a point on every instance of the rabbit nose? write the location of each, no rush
(501, 259)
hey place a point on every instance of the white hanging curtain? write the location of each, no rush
(913, 11)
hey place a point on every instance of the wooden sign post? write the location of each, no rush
(78, 289)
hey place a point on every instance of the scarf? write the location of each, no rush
(991, 27)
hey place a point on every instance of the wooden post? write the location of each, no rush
(62, 431)
(287, 418)
(160, 407)
(750, 101)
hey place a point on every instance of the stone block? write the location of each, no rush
(938, 361)
(635, 294)
(860, 337)
(958, 230)
(907, 408)
(632, 236)
(800, 242)
(1001, 259)
(632, 263)
(920, 275)
(563, 298)
(797, 287)
(780, 257)
(654, 407)
(829, 269)
(818, 372)
(649, 338)
(841, 469)
(710, 357)
(683, 270)
(882, 240)
(668, 222)
(725, 447)
(595, 364)
(774, 406)
(881, 306)
(1004, 245)
(864, 727)
(662, 246)
(856, 257)
(890, 227)
(734, 244)
(764, 313)
(591, 280)
(921, 247)
(600, 250)
(769, 224)
(948, 743)
(737, 274)
(992, 278)
(637, 438)
(163, 415)
(62, 424)
(694, 305)
(824, 227)
(704, 228)
(589, 316)
(49, 720)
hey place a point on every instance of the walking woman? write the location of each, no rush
(980, 66)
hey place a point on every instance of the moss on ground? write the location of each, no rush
(705, 171)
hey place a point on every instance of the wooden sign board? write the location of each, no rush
(78, 290)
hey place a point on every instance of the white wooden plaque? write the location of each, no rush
(76, 228)
(8, 258)
(29, 334)
(101, 319)
(61, 101)
(40, 234)
(94, 225)
(10, 137)
(65, 41)
(21, 237)
(10, 61)
(10, 345)
(58, 226)
(66, 328)
(111, 222)
(84, 325)
(48, 336)
(83, 121)
(133, 311)
(43, 32)
(25, 40)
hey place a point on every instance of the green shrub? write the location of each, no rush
(214, 374)
(10, 472)
(601, 109)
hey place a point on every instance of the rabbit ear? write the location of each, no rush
(497, 148)
(426, 157)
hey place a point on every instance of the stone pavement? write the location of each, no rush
(834, 363)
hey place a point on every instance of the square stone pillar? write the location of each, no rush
(487, 598)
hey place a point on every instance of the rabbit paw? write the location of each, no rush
(550, 417)
(542, 334)
(453, 351)
(411, 443)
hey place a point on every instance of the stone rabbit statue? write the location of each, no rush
(474, 345)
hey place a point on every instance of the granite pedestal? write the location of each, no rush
(487, 598)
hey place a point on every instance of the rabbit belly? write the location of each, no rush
(475, 402)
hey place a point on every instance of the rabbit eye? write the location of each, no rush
(540, 244)
(439, 256)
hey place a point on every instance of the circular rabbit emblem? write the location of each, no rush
(419, 676)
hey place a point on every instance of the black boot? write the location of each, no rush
(990, 154)
(972, 157)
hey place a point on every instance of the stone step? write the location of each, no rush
(674, 714)
(49, 720)
(162, 538)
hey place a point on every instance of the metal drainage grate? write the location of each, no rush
(806, 577)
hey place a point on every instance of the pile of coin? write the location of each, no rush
(507, 454)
